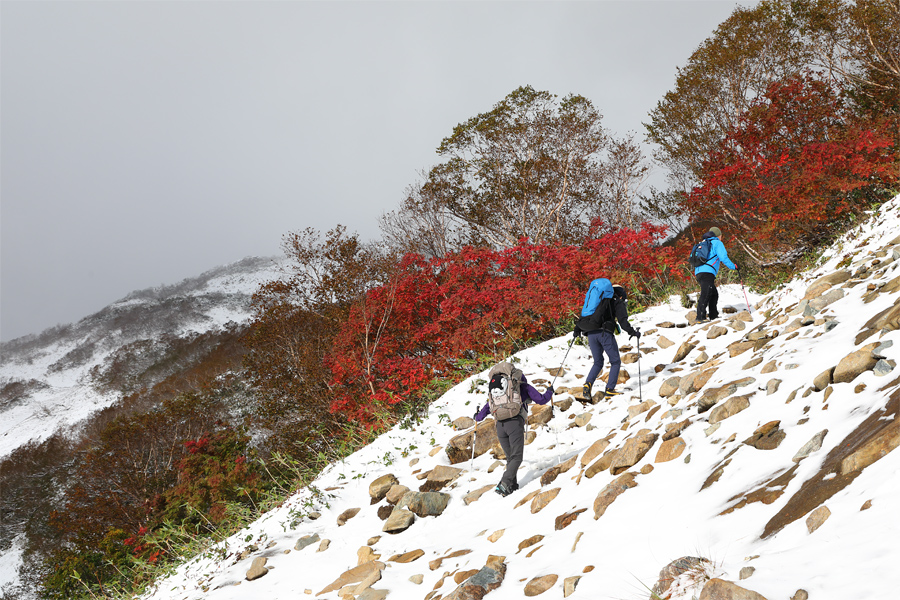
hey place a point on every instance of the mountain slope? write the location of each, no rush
(751, 442)
(60, 377)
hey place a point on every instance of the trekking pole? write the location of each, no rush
(640, 391)
(741, 278)
(474, 438)
(552, 383)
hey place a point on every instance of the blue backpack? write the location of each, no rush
(700, 253)
(598, 290)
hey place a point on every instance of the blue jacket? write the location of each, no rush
(717, 254)
(528, 391)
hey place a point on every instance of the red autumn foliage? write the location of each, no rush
(798, 161)
(434, 313)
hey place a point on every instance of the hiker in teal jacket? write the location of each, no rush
(706, 276)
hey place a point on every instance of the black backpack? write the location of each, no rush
(700, 253)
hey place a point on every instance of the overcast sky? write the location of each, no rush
(145, 142)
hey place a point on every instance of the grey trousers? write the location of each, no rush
(511, 434)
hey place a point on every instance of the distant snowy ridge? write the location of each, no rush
(46, 379)
(759, 449)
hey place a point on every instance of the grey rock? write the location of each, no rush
(257, 568)
(306, 541)
(883, 367)
(747, 572)
(772, 386)
(813, 445)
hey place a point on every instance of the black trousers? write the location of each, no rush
(709, 296)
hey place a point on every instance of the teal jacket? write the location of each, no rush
(717, 255)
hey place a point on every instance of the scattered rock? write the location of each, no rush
(800, 595)
(712, 396)
(396, 493)
(484, 581)
(633, 451)
(675, 569)
(823, 379)
(716, 331)
(766, 437)
(542, 499)
(669, 386)
(564, 520)
(670, 450)
(612, 491)
(719, 589)
(582, 419)
(346, 516)
(772, 386)
(526, 543)
(817, 518)
(729, 408)
(477, 494)
(553, 472)
(407, 557)
(594, 451)
(883, 367)
(323, 545)
(400, 520)
(569, 585)
(463, 423)
(257, 568)
(854, 364)
(306, 541)
(746, 572)
(683, 351)
(459, 449)
(539, 585)
(417, 579)
(813, 445)
(355, 575)
(496, 535)
(664, 342)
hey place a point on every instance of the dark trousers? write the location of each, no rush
(709, 296)
(600, 342)
(511, 433)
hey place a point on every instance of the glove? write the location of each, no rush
(576, 333)
(637, 333)
(552, 391)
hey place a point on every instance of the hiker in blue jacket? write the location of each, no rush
(706, 276)
(604, 306)
(511, 432)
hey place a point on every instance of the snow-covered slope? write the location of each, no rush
(740, 480)
(46, 380)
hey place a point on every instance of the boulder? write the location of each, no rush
(664, 342)
(594, 451)
(669, 386)
(564, 520)
(729, 408)
(570, 583)
(820, 285)
(553, 472)
(719, 589)
(855, 363)
(539, 585)
(306, 540)
(355, 575)
(542, 499)
(257, 568)
(873, 448)
(716, 331)
(695, 381)
(813, 445)
(674, 429)
(484, 581)
(396, 493)
(463, 423)
(424, 504)
(675, 569)
(670, 450)
(602, 463)
(737, 348)
(400, 520)
(637, 409)
(612, 491)
(379, 488)
(712, 396)
(766, 437)
(407, 557)
(459, 449)
(683, 351)
(540, 414)
(817, 517)
(346, 516)
(633, 451)
(477, 494)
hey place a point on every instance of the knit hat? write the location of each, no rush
(715, 231)
(497, 386)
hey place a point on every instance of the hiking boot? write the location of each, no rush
(610, 393)
(505, 490)
(585, 393)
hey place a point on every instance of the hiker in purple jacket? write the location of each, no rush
(511, 432)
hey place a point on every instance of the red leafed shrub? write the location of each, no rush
(798, 162)
(433, 313)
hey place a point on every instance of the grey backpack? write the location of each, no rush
(507, 404)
